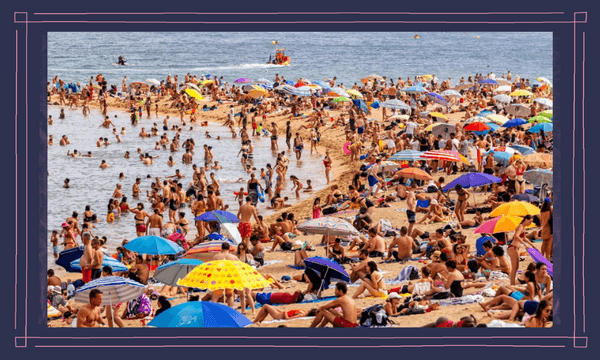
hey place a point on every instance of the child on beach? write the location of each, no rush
(309, 187)
(297, 185)
(54, 241)
(240, 196)
(316, 209)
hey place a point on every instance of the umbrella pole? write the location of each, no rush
(327, 244)
(323, 279)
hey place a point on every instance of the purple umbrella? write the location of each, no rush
(436, 98)
(472, 180)
(243, 81)
(538, 257)
(328, 269)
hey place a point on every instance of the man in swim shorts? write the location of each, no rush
(327, 314)
(245, 214)
(86, 259)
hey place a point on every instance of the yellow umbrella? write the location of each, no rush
(500, 224)
(224, 274)
(515, 208)
(355, 93)
(204, 82)
(428, 76)
(438, 115)
(193, 93)
(255, 94)
(429, 127)
(520, 93)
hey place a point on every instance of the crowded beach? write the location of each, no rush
(437, 209)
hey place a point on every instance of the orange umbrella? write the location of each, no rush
(415, 173)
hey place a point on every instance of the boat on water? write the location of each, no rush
(280, 58)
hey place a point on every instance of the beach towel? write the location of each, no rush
(256, 306)
(271, 262)
(464, 300)
(423, 203)
(499, 323)
(408, 273)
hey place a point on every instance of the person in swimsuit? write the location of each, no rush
(67, 235)
(327, 163)
(277, 314)
(453, 281)
(473, 223)
(183, 224)
(531, 290)
(514, 246)
(374, 284)
(140, 217)
(461, 202)
(124, 206)
(461, 256)
(88, 216)
(519, 181)
(327, 313)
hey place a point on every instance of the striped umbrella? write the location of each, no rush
(498, 119)
(515, 208)
(407, 155)
(545, 127)
(438, 155)
(302, 91)
(503, 98)
(115, 289)
(395, 104)
(539, 176)
(171, 272)
(437, 98)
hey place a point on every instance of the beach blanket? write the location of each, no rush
(405, 273)
(257, 305)
(282, 320)
(499, 323)
(271, 262)
(467, 299)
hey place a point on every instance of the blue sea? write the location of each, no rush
(77, 56)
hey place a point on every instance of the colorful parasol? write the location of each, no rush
(224, 274)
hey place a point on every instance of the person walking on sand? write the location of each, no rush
(298, 146)
(327, 314)
(245, 214)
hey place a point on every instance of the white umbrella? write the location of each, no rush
(153, 81)
(115, 289)
(451, 93)
(544, 101)
(193, 87)
(504, 88)
(503, 98)
(328, 226)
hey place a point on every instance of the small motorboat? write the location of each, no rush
(280, 58)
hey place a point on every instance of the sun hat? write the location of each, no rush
(65, 224)
(434, 202)
(393, 296)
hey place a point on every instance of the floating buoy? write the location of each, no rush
(417, 36)
(478, 37)
(273, 42)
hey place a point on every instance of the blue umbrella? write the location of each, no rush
(375, 104)
(115, 289)
(525, 150)
(328, 269)
(361, 105)
(493, 127)
(485, 113)
(436, 98)
(414, 90)
(502, 157)
(221, 216)
(409, 155)
(546, 127)
(526, 197)
(66, 257)
(514, 122)
(488, 81)
(395, 104)
(219, 237)
(106, 261)
(323, 84)
(171, 272)
(472, 180)
(479, 244)
(196, 314)
(153, 245)
(290, 82)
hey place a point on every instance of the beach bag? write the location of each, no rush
(442, 295)
(329, 210)
(374, 316)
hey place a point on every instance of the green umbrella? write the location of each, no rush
(540, 119)
(547, 114)
(340, 99)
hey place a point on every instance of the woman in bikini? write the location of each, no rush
(461, 256)
(327, 163)
(243, 254)
(297, 185)
(514, 246)
(542, 277)
(546, 218)
(461, 202)
(334, 197)
(520, 182)
(454, 279)
(531, 290)
(183, 224)
(277, 314)
(540, 319)
(89, 217)
(173, 204)
(123, 205)
(140, 217)
(375, 284)
(69, 239)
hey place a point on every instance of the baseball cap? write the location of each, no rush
(394, 296)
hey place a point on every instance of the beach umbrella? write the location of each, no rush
(266, 86)
(231, 231)
(221, 216)
(503, 88)
(488, 82)
(386, 165)
(472, 180)
(205, 82)
(538, 159)
(255, 94)
(543, 80)
(437, 115)
(438, 155)
(514, 122)
(497, 119)
(219, 237)
(506, 149)
(375, 104)
(303, 91)
(539, 119)
(153, 245)
(518, 110)
(546, 127)
(451, 93)
(407, 155)
(243, 81)
(546, 113)
(153, 81)
(515, 208)
(289, 82)
(499, 224)
(524, 150)
(195, 94)
(224, 274)
(106, 261)
(477, 126)
(329, 226)
(210, 246)
(338, 92)
(361, 105)
(479, 244)
(544, 101)
(478, 118)
(444, 130)
(115, 289)
(354, 93)
(520, 93)
(193, 86)
(171, 272)
(414, 90)
(262, 81)
(414, 173)
(399, 116)
(539, 176)
(525, 197)
(66, 258)
(437, 98)
(503, 82)
(503, 98)
(341, 99)
(538, 257)
(502, 157)
(395, 104)
(322, 84)
(200, 314)
(463, 86)
(328, 270)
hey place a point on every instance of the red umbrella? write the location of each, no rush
(477, 126)
(299, 84)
